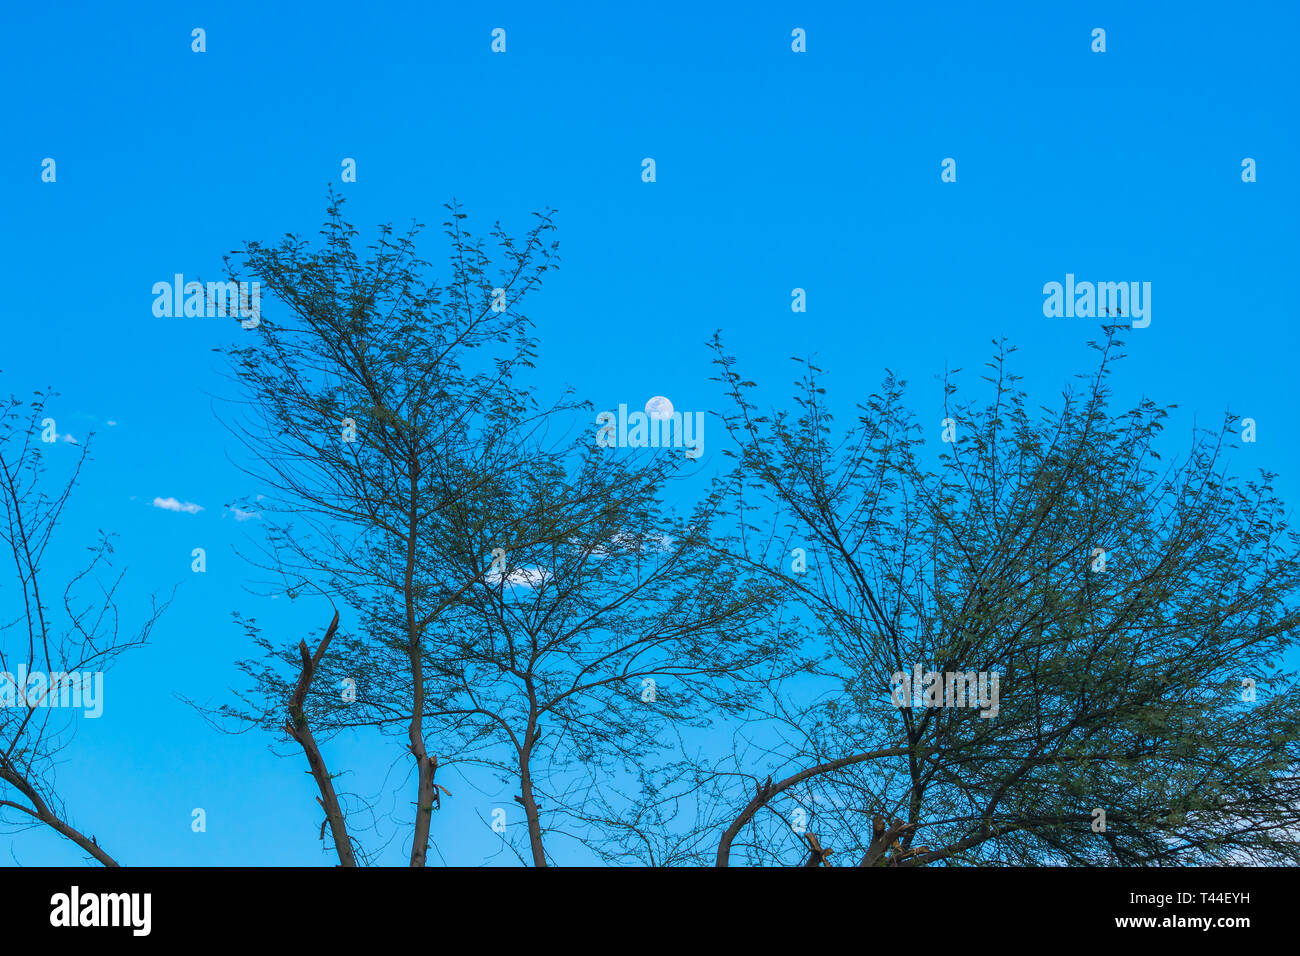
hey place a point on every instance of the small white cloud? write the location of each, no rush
(110, 422)
(242, 515)
(171, 504)
(69, 439)
(518, 577)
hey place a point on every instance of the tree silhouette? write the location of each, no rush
(1135, 612)
(61, 632)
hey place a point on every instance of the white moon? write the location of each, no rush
(659, 408)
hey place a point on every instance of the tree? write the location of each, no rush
(1134, 613)
(367, 415)
(497, 575)
(55, 645)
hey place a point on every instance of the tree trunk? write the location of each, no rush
(300, 731)
(530, 810)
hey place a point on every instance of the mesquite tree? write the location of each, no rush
(58, 635)
(1133, 610)
(506, 592)
(374, 396)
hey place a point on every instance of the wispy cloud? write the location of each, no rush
(518, 577)
(242, 515)
(171, 504)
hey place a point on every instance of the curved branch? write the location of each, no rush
(768, 790)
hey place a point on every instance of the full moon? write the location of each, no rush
(659, 408)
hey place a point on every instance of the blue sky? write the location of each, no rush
(775, 170)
